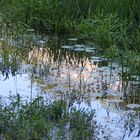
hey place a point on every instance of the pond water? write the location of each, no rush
(78, 72)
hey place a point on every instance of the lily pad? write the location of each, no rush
(88, 49)
(67, 47)
(79, 49)
(79, 46)
(132, 106)
(72, 39)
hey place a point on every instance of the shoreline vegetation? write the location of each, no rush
(109, 23)
(44, 120)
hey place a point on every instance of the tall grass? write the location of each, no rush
(44, 14)
(108, 22)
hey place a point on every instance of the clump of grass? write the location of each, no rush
(46, 16)
(41, 120)
(60, 16)
(111, 32)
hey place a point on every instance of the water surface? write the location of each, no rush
(78, 72)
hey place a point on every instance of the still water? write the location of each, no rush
(78, 72)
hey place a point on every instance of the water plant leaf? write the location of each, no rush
(132, 106)
(67, 47)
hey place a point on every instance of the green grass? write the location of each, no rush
(40, 120)
(59, 15)
(107, 22)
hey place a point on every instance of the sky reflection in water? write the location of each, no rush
(55, 73)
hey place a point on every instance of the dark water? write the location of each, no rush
(78, 72)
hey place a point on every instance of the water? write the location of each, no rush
(78, 72)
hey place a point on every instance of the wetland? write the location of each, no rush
(69, 70)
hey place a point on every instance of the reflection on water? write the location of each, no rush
(77, 73)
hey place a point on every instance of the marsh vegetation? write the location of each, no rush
(72, 68)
